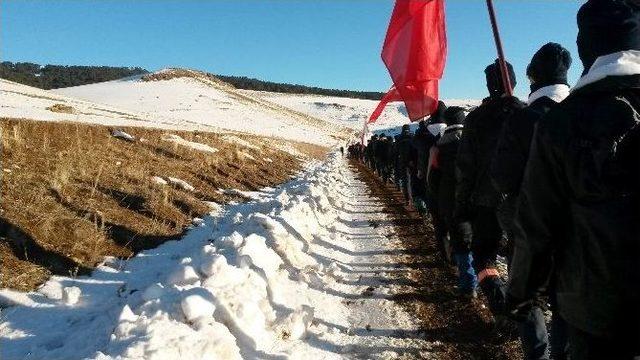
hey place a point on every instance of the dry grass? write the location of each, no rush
(61, 108)
(72, 194)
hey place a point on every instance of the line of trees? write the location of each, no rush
(59, 76)
(242, 82)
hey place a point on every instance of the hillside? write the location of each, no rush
(197, 98)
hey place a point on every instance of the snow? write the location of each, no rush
(158, 180)
(122, 135)
(179, 183)
(240, 141)
(26, 102)
(190, 144)
(287, 275)
(71, 295)
(196, 306)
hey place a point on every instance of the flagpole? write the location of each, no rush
(506, 79)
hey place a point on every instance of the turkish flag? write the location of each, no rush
(391, 96)
(415, 52)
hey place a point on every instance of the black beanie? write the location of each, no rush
(494, 78)
(549, 66)
(454, 115)
(606, 27)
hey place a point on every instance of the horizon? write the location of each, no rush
(277, 41)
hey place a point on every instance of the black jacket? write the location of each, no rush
(404, 150)
(507, 166)
(579, 205)
(442, 170)
(477, 147)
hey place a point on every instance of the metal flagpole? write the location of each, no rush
(506, 79)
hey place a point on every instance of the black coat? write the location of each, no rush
(510, 159)
(422, 143)
(477, 147)
(404, 152)
(442, 171)
(580, 206)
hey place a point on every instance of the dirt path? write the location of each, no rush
(458, 329)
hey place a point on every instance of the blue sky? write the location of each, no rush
(327, 43)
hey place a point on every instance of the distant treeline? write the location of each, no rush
(59, 76)
(242, 82)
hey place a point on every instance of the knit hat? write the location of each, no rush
(549, 66)
(454, 115)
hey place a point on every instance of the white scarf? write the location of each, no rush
(557, 93)
(436, 129)
(621, 63)
(454, 126)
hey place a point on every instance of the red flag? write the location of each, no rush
(391, 96)
(415, 51)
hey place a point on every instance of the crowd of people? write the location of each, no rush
(552, 183)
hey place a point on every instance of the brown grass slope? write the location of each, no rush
(71, 194)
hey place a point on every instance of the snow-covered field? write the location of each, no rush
(288, 275)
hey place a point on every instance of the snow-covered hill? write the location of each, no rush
(196, 98)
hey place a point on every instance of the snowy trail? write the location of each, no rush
(302, 272)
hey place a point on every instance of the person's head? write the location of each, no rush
(406, 129)
(454, 116)
(438, 116)
(494, 78)
(606, 27)
(549, 66)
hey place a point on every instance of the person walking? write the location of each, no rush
(441, 176)
(548, 75)
(578, 217)
(476, 196)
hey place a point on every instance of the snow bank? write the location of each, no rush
(190, 144)
(239, 286)
(179, 183)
